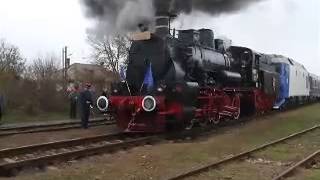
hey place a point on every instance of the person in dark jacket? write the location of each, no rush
(73, 96)
(86, 103)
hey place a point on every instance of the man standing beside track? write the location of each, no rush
(86, 102)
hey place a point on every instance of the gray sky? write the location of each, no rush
(288, 27)
(40, 27)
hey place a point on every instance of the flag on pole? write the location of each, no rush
(148, 79)
(123, 70)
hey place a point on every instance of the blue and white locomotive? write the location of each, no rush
(297, 85)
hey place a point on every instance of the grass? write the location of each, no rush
(21, 117)
(314, 175)
(288, 122)
(293, 150)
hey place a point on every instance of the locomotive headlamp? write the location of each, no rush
(160, 89)
(103, 103)
(149, 103)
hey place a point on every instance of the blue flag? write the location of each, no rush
(148, 79)
(123, 70)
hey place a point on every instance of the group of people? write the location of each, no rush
(78, 99)
(83, 100)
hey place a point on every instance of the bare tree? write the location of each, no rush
(42, 72)
(43, 68)
(11, 60)
(111, 51)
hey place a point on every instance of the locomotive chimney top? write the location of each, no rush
(163, 19)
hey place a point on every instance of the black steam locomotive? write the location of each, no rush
(188, 77)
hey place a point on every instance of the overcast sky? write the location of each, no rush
(288, 27)
(39, 27)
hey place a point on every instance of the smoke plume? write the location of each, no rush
(118, 16)
(124, 15)
(212, 7)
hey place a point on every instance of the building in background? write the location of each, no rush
(97, 75)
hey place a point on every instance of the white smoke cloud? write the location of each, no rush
(133, 13)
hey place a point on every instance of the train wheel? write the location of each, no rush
(215, 121)
(173, 125)
(237, 115)
(191, 125)
(204, 123)
(237, 103)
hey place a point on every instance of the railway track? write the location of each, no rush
(243, 155)
(14, 160)
(307, 162)
(8, 131)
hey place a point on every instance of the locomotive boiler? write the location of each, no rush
(188, 78)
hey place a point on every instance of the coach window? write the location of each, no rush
(278, 69)
(257, 60)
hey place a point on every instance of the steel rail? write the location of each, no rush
(48, 128)
(241, 155)
(303, 162)
(57, 144)
(11, 168)
(24, 127)
(16, 163)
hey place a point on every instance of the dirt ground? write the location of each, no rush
(164, 160)
(306, 174)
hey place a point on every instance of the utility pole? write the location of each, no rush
(63, 64)
(65, 61)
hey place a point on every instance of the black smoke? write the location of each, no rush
(212, 7)
(126, 15)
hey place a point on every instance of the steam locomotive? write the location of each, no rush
(176, 80)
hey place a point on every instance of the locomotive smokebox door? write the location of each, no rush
(207, 38)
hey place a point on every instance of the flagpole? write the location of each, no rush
(141, 87)
(122, 76)
(128, 87)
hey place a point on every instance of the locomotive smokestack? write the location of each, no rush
(162, 17)
(162, 24)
